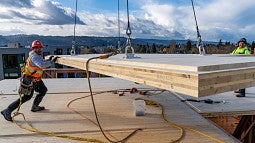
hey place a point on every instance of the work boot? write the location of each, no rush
(36, 108)
(7, 115)
(240, 95)
(237, 91)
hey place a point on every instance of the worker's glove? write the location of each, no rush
(50, 58)
(54, 59)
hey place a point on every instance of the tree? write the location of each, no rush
(172, 47)
(220, 43)
(188, 45)
(153, 50)
(142, 49)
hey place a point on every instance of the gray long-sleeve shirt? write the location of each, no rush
(37, 60)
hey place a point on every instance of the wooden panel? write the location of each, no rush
(223, 81)
(194, 75)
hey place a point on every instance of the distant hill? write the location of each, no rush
(3, 41)
(26, 40)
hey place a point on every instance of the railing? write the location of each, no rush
(54, 72)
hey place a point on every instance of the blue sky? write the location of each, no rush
(228, 20)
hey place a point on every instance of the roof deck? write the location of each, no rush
(116, 114)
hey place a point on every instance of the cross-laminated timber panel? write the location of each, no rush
(193, 75)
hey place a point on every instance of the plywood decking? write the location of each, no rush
(193, 75)
(115, 114)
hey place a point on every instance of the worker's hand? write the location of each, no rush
(54, 59)
(50, 58)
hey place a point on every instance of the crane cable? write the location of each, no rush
(128, 30)
(128, 45)
(119, 48)
(74, 31)
(200, 44)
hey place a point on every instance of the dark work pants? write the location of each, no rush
(38, 87)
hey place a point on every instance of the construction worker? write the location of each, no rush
(241, 49)
(33, 69)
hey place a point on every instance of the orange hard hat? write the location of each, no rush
(36, 43)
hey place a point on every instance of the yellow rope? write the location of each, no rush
(205, 135)
(147, 101)
(70, 102)
(181, 128)
(32, 129)
(156, 104)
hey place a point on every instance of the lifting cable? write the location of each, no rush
(94, 107)
(128, 30)
(95, 123)
(74, 28)
(148, 102)
(200, 44)
(119, 48)
(128, 42)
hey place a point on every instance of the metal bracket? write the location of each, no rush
(200, 46)
(72, 52)
(127, 47)
(129, 55)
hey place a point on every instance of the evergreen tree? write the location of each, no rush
(220, 43)
(188, 45)
(142, 49)
(153, 50)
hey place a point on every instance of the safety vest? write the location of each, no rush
(243, 50)
(33, 71)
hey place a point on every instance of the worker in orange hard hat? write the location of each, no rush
(32, 72)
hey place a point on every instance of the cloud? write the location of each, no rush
(106, 25)
(37, 12)
(169, 18)
(20, 3)
(217, 19)
(229, 16)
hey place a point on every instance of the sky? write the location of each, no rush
(228, 20)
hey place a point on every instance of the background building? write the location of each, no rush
(15, 54)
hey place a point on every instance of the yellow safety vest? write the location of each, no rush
(33, 71)
(243, 50)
